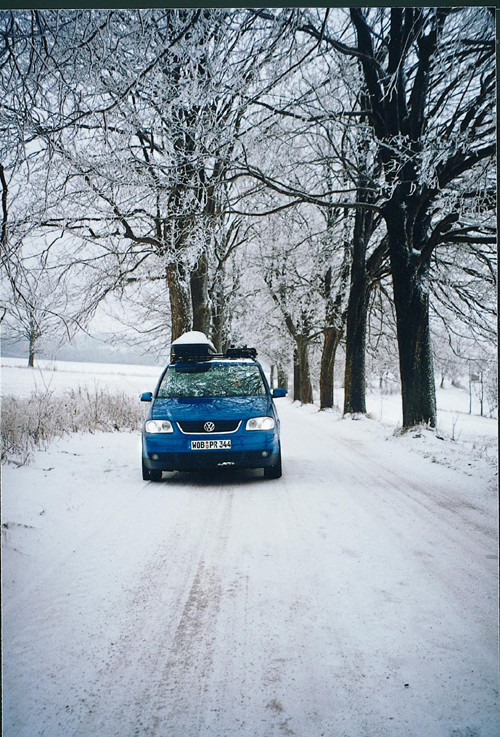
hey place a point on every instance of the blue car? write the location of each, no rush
(211, 410)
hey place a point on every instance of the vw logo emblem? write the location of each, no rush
(209, 426)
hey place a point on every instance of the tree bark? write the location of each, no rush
(282, 378)
(411, 301)
(219, 317)
(296, 376)
(357, 310)
(200, 301)
(354, 377)
(334, 327)
(33, 334)
(180, 300)
(31, 352)
(332, 338)
(415, 354)
(305, 387)
(218, 332)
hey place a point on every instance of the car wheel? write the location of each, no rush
(274, 472)
(150, 475)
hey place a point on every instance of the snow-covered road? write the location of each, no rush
(354, 597)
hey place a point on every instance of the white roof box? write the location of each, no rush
(191, 345)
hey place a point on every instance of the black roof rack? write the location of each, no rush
(194, 352)
(243, 352)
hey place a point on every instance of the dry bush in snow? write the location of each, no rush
(31, 424)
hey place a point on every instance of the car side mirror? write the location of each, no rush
(279, 393)
(146, 397)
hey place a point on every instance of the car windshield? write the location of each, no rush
(212, 380)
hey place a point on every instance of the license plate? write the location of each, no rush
(210, 444)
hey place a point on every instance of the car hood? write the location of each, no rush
(214, 408)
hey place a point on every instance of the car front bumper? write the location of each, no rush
(198, 461)
(172, 452)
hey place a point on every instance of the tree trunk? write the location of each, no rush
(296, 376)
(180, 300)
(305, 390)
(31, 352)
(199, 295)
(415, 355)
(33, 334)
(411, 300)
(357, 310)
(354, 378)
(335, 320)
(330, 345)
(282, 378)
(221, 327)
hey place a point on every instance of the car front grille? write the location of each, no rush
(204, 427)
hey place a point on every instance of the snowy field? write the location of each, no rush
(357, 596)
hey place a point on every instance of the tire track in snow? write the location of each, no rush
(179, 693)
(160, 623)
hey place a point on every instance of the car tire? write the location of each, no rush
(274, 471)
(150, 474)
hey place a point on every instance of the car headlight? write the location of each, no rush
(156, 426)
(260, 423)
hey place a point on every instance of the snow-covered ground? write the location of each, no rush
(19, 380)
(354, 597)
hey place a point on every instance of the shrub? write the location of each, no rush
(32, 423)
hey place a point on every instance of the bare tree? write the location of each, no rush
(142, 110)
(35, 303)
(288, 267)
(430, 79)
(428, 94)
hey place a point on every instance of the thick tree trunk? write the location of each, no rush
(335, 320)
(326, 378)
(221, 326)
(180, 300)
(411, 299)
(357, 310)
(354, 378)
(218, 327)
(415, 355)
(305, 391)
(199, 296)
(302, 388)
